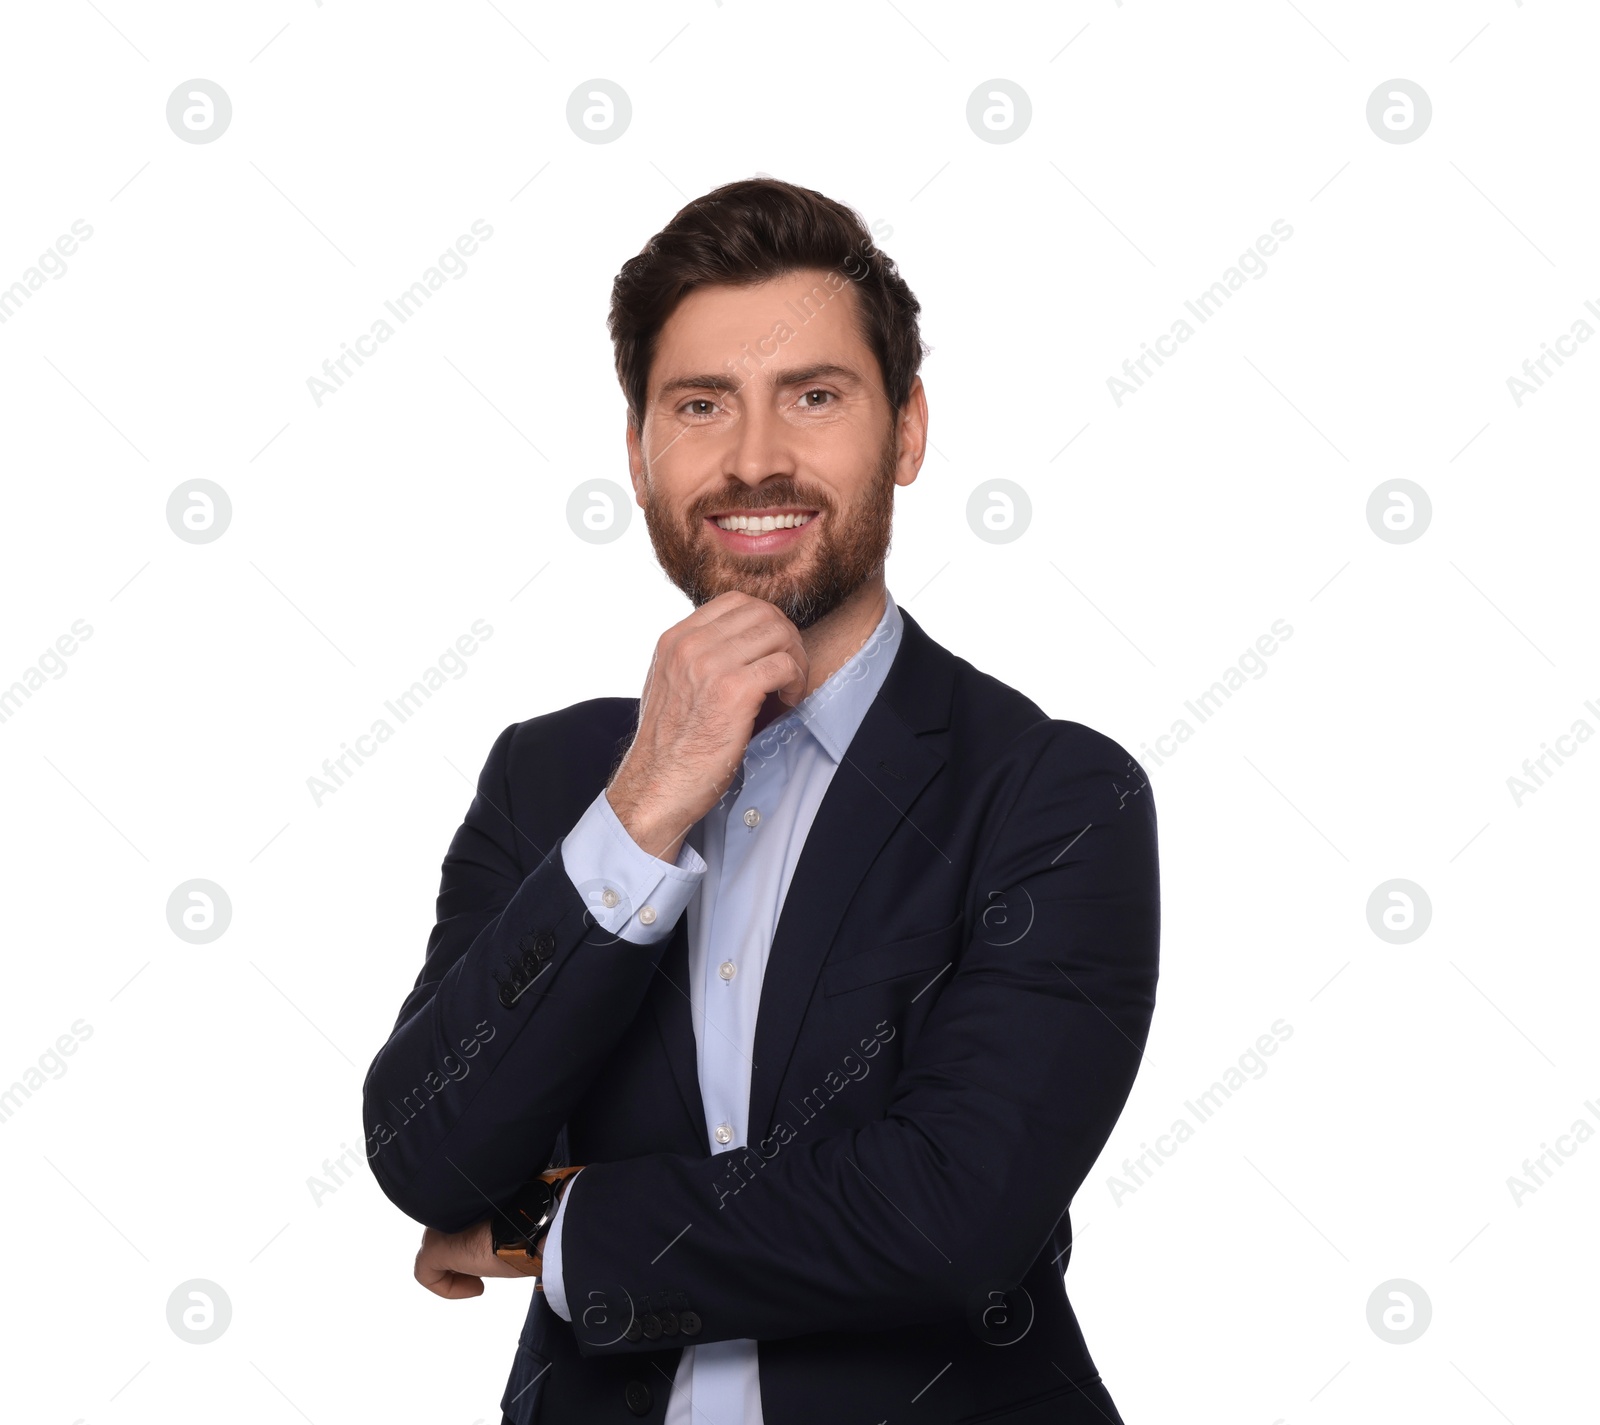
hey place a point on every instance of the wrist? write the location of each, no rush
(517, 1229)
(658, 833)
(561, 1187)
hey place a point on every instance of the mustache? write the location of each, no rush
(767, 497)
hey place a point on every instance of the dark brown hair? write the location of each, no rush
(752, 231)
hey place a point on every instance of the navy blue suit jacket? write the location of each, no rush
(954, 1009)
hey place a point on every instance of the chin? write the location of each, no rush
(759, 575)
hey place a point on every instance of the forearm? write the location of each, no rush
(463, 1103)
(895, 1222)
(496, 1046)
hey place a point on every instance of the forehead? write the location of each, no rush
(807, 315)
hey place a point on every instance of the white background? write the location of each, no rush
(1168, 534)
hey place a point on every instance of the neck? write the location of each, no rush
(832, 641)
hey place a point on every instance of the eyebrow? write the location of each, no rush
(794, 376)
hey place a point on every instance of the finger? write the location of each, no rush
(455, 1286)
(729, 603)
(748, 635)
(733, 609)
(793, 689)
(723, 604)
(781, 673)
(700, 630)
(438, 1278)
(717, 632)
(792, 692)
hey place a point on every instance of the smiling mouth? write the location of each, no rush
(762, 521)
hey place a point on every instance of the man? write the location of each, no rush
(828, 963)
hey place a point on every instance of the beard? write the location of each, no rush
(848, 547)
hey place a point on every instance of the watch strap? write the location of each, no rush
(521, 1253)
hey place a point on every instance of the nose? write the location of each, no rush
(760, 446)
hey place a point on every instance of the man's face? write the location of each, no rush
(766, 405)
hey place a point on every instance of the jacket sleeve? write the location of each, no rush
(1002, 1104)
(528, 984)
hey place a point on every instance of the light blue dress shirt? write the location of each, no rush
(731, 877)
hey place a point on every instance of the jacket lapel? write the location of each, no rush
(883, 773)
(675, 1020)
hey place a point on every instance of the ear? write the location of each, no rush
(911, 435)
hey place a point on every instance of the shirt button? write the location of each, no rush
(727, 969)
(752, 818)
(608, 898)
(724, 1133)
(647, 915)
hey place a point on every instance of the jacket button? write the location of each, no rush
(508, 996)
(635, 1331)
(652, 1326)
(544, 943)
(669, 1323)
(636, 1395)
(689, 1323)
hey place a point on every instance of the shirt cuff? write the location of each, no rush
(629, 892)
(550, 1262)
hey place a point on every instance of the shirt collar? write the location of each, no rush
(833, 711)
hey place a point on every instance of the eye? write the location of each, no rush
(811, 405)
(694, 407)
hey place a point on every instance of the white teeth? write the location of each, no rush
(760, 523)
